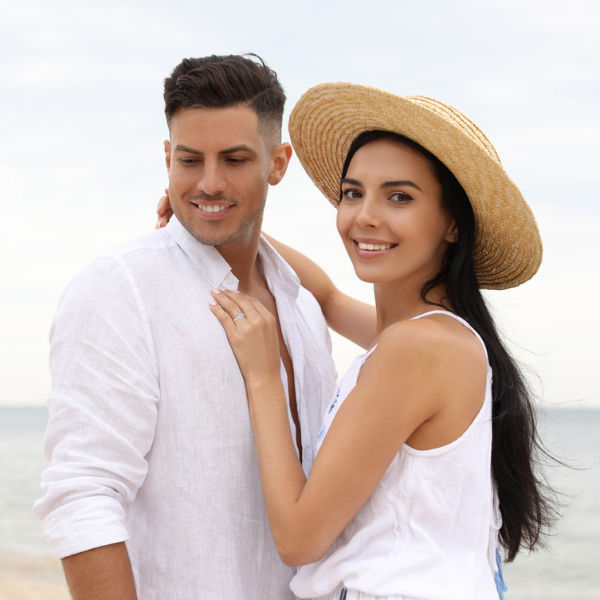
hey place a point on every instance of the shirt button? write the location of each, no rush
(229, 278)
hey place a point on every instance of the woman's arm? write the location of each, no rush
(347, 316)
(403, 386)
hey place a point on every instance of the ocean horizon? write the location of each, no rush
(566, 570)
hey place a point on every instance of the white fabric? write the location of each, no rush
(340, 593)
(426, 530)
(149, 434)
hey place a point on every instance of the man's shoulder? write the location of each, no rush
(113, 268)
(153, 241)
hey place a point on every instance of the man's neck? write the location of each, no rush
(242, 257)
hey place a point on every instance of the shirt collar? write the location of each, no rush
(206, 258)
(217, 271)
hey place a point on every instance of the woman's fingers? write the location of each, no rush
(234, 302)
(251, 330)
(164, 210)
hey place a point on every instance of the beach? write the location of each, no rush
(25, 577)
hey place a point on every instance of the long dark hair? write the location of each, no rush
(526, 501)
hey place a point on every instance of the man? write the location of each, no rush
(154, 487)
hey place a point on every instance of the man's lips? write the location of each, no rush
(213, 210)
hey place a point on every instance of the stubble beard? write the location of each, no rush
(243, 227)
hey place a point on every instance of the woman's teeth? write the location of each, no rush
(374, 246)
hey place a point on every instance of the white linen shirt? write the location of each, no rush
(149, 435)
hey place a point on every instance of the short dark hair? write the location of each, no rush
(227, 81)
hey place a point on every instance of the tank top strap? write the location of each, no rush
(366, 355)
(457, 318)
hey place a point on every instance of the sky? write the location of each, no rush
(82, 159)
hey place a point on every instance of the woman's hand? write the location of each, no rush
(252, 332)
(164, 210)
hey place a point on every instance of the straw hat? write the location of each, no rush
(329, 116)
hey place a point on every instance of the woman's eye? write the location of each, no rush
(351, 194)
(400, 197)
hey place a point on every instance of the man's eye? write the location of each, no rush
(188, 161)
(236, 161)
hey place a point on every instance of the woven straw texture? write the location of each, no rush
(329, 116)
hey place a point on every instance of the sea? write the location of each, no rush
(569, 569)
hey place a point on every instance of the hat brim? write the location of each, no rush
(329, 116)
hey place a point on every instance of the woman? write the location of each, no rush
(427, 452)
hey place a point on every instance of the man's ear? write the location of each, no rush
(280, 159)
(168, 154)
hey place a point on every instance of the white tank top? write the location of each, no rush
(430, 528)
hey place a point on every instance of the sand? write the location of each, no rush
(31, 578)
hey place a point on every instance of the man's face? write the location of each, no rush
(219, 167)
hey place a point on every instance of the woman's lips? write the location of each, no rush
(371, 248)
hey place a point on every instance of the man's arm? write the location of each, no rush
(347, 316)
(100, 574)
(103, 410)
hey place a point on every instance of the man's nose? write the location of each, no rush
(212, 182)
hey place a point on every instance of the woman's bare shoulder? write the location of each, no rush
(435, 340)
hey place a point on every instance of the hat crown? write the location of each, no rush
(456, 118)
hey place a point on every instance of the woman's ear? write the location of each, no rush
(452, 234)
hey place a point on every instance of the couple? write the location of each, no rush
(182, 465)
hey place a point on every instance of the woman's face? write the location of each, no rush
(391, 218)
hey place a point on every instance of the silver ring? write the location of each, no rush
(239, 315)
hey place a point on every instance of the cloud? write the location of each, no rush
(81, 114)
(53, 71)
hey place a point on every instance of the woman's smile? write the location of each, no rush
(391, 216)
(372, 248)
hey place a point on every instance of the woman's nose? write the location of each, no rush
(368, 216)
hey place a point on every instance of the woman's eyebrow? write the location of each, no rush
(385, 184)
(401, 182)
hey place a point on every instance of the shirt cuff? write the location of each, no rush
(84, 524)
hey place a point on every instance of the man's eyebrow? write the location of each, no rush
(238, 148)
(182, 148)
(232, 150)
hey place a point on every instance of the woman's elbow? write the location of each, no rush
(296, 552)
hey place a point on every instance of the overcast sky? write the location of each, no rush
(82, 161)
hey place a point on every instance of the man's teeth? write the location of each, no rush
(211, 208)
(374, 246)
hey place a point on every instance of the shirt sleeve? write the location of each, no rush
(103, 410)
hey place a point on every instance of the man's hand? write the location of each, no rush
(164, 210)
(100, 574)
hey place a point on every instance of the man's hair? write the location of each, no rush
(227, 81)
